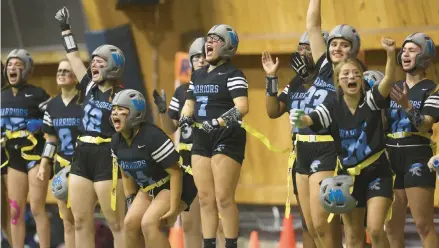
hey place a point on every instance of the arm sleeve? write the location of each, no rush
(321, 117)
(375, 100)
(283, 96)
(162, 148)
(47, 122)
(44, 99)
(431, 106)
(177, 102)
(237, 84)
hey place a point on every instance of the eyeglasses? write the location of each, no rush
(214, 38)
(64, 72)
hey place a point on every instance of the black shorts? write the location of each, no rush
(16, 161)
(410, 166)
(314, 157)
(185, 157)
(375, 180)
(93, 162)
(229, 141)
(188, 193)
(4, 169)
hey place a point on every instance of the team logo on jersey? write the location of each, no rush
(220, 148)
(315, 165)
(139, 104)
(375, 184)
(416, 169)
(118, 59)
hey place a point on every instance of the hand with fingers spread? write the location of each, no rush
(270, 67)
(299, 65)
(160, 101)
(400, 96)
(185, 121)
(62, 16)
(388, 44)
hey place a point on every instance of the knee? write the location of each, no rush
(15, 210)
(131, 224)
(115, 226)
(150, 227)
(69, 227)
(319, 228)
(375, 232)
(80, 223)
(37, 208)
(424, 226)
(206, 199)
(225, 201)
(354, 237)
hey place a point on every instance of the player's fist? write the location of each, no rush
(62, 16)
(388, 44)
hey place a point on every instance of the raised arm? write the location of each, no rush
(389, 77)
(169, 125)
(314, 29)
(274, 107)
(78, 67)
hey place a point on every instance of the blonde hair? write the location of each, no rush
(80, 95)
(337, 71)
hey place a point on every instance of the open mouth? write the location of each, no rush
(62, 79)
(406, 62)
(116, 122)
(94, 72)
(209, 50)
(13, 76)
(352, 85)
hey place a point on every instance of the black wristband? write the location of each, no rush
(271, 86)
(65, 27)
(69, 43)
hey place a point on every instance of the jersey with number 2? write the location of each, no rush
(63, 121)
(214, 91)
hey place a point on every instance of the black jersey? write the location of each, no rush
(321, 90)
(357, 136)
(214, 91)
(96, 110)
(174, 110)
(150, 153)
(396, 117)
(63, 121)
(293, 96)
(28, 105)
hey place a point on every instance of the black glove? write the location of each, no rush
(129, 200)
(209, 126)
(299, 65)
(185, 121)
(62, 16)
(159, 101)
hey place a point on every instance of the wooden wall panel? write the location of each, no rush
(277, 25)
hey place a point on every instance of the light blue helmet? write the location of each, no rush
(60, 183)
(27, 60)
(348, 33)
(230, 38)
(335, 195)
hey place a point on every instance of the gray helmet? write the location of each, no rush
(335, 194)
(428, 50)
(27, 60)
(373, 77)
(60, 189)
(196, 48)
(115, 60)
(230, 38)
(348, 33)
(304, 39)
(135, 102)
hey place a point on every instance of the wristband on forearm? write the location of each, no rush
(415, 116)
(271, 86)
(69, 43)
